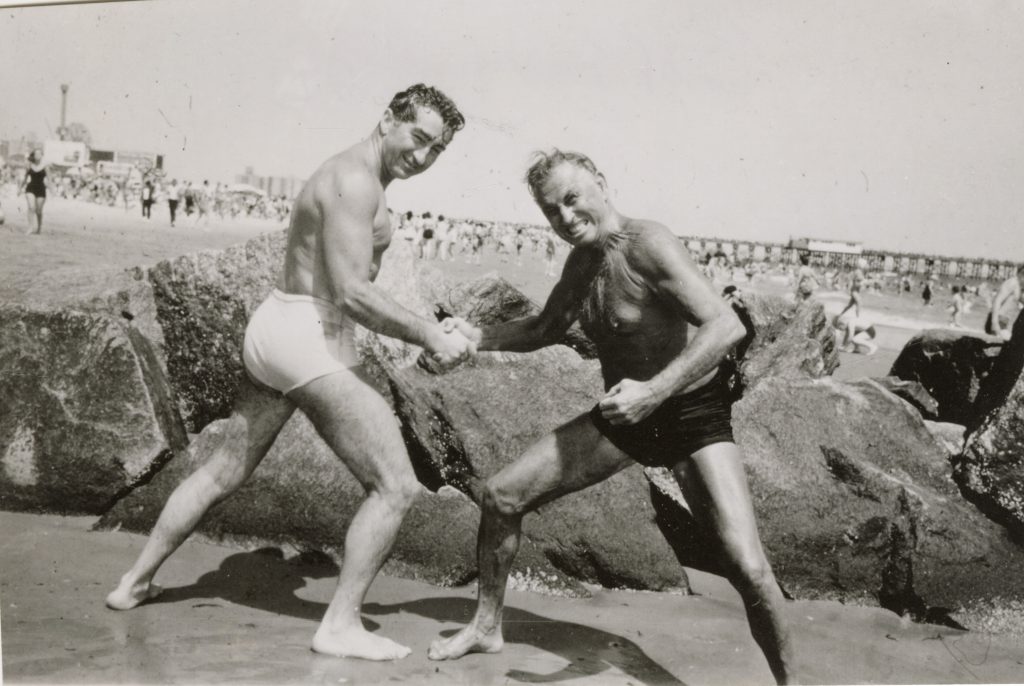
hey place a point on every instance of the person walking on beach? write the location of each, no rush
(856, 284)
(173, 196)
(34, 188)
(956, 308)
(661, 332)
(189, 194)
(299, 352)
(202, 195)
(926, 292)
(806, 279)
(1005, 306)
(147, 199)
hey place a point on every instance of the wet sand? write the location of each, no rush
(247, 616)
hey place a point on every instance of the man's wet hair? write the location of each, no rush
(543, 162)
(404, 105)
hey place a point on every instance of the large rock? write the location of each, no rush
(913, 392)
(466, 425)
(855, 502)
(950, 436)
(991, 469)
(784, 340)
(85, 412)
(203, 303)
(491, 299)
(302, 495)
(951, 367)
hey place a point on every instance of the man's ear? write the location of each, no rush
(387, 122)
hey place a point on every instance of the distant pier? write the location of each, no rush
(878, 260)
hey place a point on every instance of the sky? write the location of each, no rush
(898, 124)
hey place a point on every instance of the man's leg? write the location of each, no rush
(39, 214)
(849, 304)
(715, 487)
(571, 458)
(358, 425)
(254, 423)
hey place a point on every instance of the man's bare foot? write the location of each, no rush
(469, 640)
(126, 595)
(358, 643)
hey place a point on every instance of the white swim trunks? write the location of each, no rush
(293, 339)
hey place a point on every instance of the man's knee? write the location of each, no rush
(498, 500)
(399, 491)
(751, 574)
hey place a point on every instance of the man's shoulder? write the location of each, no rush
(649, 231)
(343, 178)
(650, 241)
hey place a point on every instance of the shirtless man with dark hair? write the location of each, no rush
(1005, 306)
(661, 333)
(299, 352)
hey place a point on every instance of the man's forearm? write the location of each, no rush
(519, 335)
(374, 309)
(705, 352)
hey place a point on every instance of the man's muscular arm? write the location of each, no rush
(348, 206)
(546, 328)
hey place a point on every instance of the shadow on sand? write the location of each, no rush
(588, 651)
(264, 580)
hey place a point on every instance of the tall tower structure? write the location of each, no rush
(62, 131)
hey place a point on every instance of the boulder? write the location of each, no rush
(1004, 376)
(466, 425)
(950, 436)
(951, 367)
(913, 392)
(991, 469)
(301, 495)
(855, 502)
(491, 299)
(784, 339)
(203, 302)
(85, 412)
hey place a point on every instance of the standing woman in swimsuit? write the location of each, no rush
(34, 187)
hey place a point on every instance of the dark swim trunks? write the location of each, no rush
(681, 426)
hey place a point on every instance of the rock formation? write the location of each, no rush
(950, 366)
(991, 468)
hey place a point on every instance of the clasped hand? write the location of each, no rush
(628, 402)
(456, 343)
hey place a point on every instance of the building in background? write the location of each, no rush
(273, 186)
(827, 246)
(65, 154)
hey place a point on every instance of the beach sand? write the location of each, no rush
(242, 616)
(235, 616)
